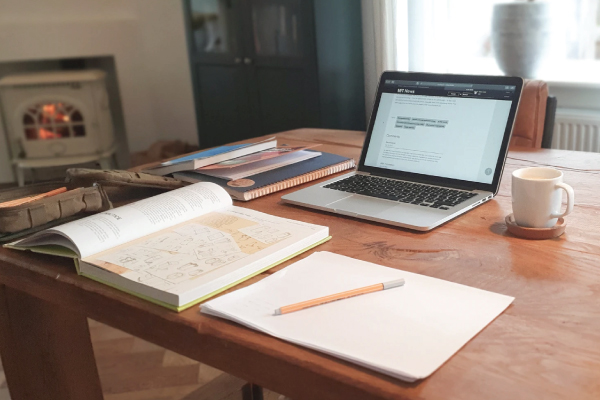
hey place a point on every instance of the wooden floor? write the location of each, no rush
(133, 369)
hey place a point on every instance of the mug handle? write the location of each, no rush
(570, 199)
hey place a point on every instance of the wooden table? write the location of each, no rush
(545, 345)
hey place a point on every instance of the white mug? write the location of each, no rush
(537, 197)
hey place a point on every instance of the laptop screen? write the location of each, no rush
(442, 129)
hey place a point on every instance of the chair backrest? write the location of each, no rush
(529, 123)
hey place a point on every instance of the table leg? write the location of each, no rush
(46, 351)
(250, 391)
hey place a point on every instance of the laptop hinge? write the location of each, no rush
(362, 173)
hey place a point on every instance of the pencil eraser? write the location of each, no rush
(277, 312)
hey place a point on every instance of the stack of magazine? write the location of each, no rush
(248, 171)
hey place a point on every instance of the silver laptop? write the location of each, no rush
(435, 148)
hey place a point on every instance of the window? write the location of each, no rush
(455, 36)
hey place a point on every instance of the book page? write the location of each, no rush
(201, 250)
(111, 228)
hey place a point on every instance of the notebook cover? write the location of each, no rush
(277, 175)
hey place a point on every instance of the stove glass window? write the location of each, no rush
(53, 120)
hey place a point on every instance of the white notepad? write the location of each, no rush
(406, 332)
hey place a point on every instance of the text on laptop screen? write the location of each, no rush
(449, 130)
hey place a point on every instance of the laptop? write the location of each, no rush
(435, 148)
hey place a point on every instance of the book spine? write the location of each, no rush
(299, 180)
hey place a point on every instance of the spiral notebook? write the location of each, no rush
(275, 180)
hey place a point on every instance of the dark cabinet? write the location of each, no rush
(254, 67)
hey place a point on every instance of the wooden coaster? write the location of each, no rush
(535, 233)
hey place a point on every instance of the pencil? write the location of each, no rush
(24, 200)
(339, 296)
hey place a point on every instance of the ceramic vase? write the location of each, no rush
(522, 34)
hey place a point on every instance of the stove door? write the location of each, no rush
(54, 127)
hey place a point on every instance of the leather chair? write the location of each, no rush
(534, 123)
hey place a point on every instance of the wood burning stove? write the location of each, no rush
(57, 118)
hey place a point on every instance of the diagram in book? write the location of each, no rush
(192, 250)
(265, 234)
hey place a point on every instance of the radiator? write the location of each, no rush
(576, 130)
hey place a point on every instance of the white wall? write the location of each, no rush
(167, 69)
(147, 39)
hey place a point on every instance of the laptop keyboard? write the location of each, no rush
(404, 192)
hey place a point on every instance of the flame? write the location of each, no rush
(49, 109)
(46, 134)
(49, 113)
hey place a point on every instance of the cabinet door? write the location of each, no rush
(281, 59)
(220, 76)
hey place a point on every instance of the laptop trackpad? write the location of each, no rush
(362, 205)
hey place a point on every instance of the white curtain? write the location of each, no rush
(380, 42)
(582, 30)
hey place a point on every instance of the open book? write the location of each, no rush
(178, 248)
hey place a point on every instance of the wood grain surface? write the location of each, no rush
(546, 345)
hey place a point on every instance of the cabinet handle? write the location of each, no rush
(247, 60)
(238, 60)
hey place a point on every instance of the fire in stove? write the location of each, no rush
(53, 121)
